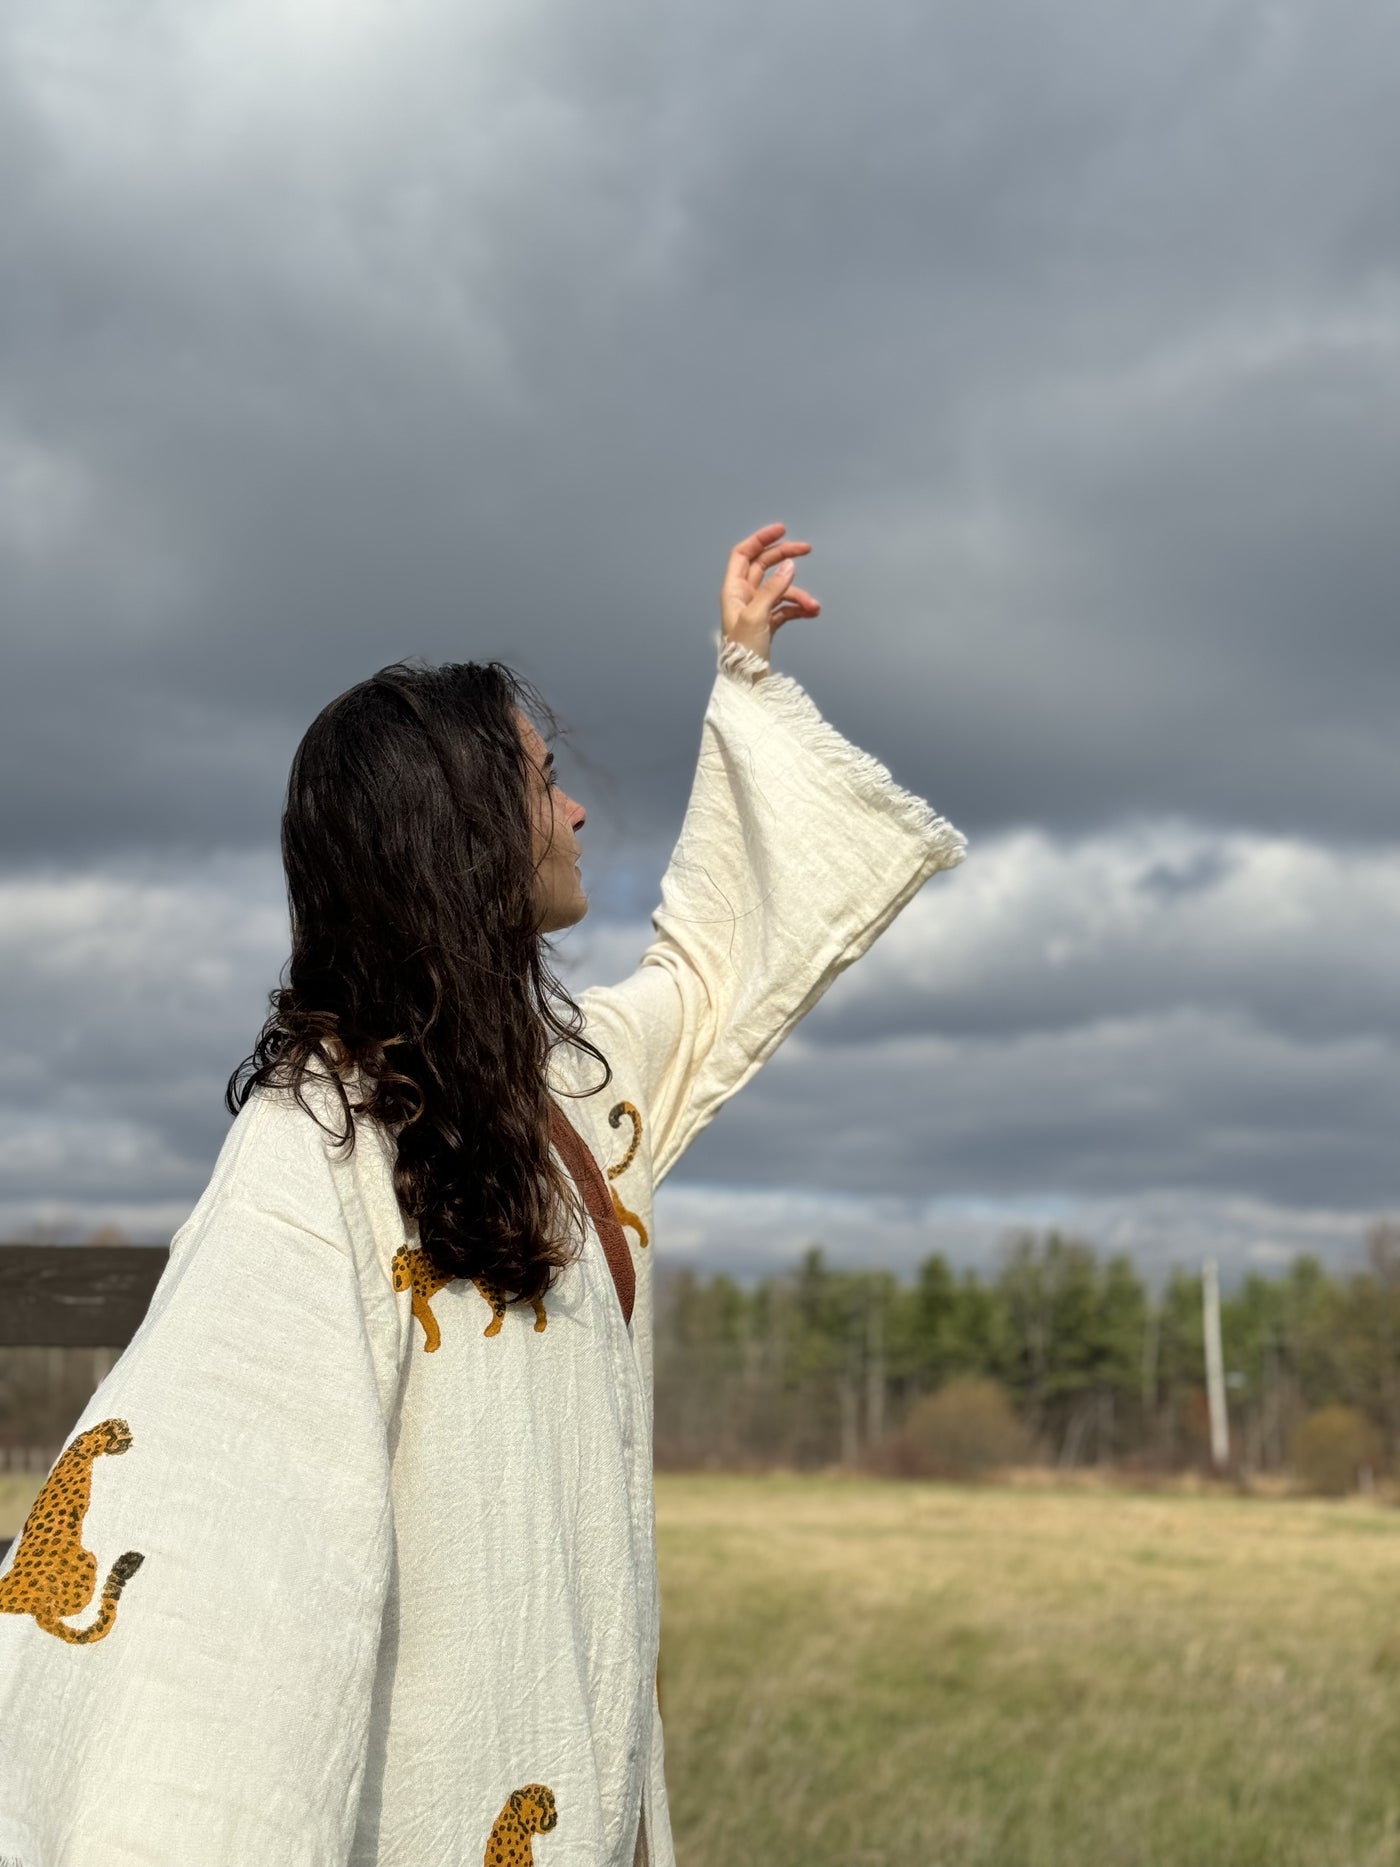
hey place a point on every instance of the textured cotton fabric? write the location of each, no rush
(382, 1552)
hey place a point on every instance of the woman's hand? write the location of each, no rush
(757, 598)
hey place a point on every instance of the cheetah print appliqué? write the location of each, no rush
(413, 1270)
(53, 1574)
(500, 1302)
(624, 1217)
(528, 1812)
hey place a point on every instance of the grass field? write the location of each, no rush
(859, 1674)
(17, 1493)
(868, 1675)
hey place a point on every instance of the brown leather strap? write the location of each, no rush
(577, 1156)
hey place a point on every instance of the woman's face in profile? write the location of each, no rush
(560, 900)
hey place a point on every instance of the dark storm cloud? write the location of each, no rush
(1207, 1103)
(1070, 336)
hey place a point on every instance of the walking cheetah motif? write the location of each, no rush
(413, 1270)
(528, 1812)
(500, 1302)
(624, 1217)
(53, 1574)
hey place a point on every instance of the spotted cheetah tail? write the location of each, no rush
(122, 1571)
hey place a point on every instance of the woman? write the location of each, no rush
(351, 1556)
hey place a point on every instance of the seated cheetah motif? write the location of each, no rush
(624, 1217)
(52, 1574)
(528, 1812)
(413, 1270)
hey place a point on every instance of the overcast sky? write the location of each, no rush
(337, 332)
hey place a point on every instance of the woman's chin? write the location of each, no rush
(565, 914)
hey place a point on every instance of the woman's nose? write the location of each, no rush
(577, 815)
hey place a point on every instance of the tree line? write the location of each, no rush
(823, 1366)
(1061, 1355)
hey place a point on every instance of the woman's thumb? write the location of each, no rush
(778, 581)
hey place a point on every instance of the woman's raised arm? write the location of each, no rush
(797, 850)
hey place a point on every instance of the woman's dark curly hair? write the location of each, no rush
(417, 959)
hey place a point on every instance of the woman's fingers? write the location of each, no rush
(795, 603)
(773, 560)
(776, 553)
(759, 593)
(776, 588)
(744, 553)
(736, 592)
(780, 581)
(744, 574)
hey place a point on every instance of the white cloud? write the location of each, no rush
(44, 496)
(1040, 931)
(1095, 1025)
(126, 998)
(757, 1232)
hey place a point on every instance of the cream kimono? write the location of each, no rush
(344, 1566)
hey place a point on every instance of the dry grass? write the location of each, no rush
(18, 1491)
(859, 1674)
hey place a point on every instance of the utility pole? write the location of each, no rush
(1215, 1366)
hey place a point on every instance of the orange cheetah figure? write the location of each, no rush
(624, 1217)
(413, 1270)
(52, 1573)
(528, 1812)
(500, 1303)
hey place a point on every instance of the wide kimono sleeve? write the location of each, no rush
(191, 1616)
(797, 850)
